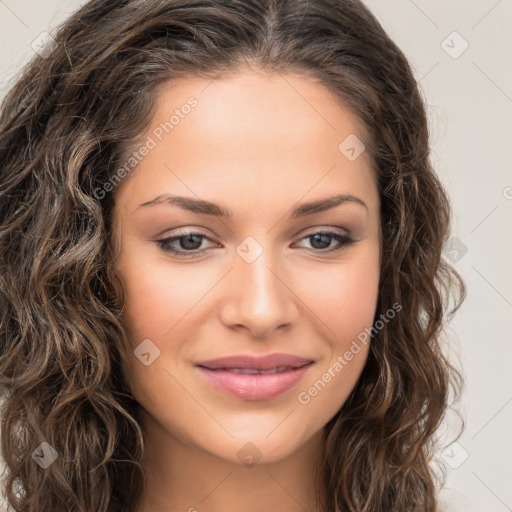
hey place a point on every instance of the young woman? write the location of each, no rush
(221, 281)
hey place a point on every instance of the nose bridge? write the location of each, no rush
(259, 298)
(255, 269)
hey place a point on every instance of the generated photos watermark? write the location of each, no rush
(149, 144)
(305, 397)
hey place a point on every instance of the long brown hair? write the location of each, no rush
(66, 127)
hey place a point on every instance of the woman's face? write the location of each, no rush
(256, 282)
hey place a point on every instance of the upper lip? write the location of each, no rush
(267, 362)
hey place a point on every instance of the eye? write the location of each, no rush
(321, 240)
(190, 242)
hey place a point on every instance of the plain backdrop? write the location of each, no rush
(458, 49)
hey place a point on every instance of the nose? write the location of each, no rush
(258, 297)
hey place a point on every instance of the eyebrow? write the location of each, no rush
(208, 208)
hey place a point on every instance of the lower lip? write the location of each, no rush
(255, 386)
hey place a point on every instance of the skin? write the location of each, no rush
(257, 144)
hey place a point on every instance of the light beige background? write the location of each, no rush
(469, 94)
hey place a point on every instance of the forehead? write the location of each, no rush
(249, 134)
(294, 109)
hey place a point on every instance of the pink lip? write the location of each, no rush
(220, 374)
(255, 362)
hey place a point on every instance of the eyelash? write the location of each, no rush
(164, 244)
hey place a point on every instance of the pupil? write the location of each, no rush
(186, 239)
(325, 237)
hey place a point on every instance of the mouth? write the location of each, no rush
(252, 371)
(251, 378)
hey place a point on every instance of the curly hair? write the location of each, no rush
(67, 124)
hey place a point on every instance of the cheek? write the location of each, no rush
(158, 295)
(344, 299)
(346, 306)
(344, 296)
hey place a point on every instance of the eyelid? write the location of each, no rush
(322, 229)
(311, 231)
